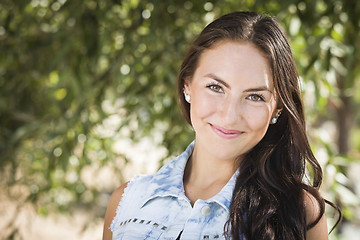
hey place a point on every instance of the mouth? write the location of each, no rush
(225, 133)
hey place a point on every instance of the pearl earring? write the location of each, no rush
(274, 120)
(187, 97)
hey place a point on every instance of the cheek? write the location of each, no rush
(258, 118)
(203, 105)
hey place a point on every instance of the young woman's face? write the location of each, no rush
(232, 99)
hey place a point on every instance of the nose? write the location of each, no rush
(231, 111)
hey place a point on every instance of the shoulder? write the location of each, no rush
(117, 194)
(315, 217)
(111, 210)
(312, 207)
(124, 198)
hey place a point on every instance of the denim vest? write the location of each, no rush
(155, 207)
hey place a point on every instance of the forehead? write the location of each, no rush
(236, 62)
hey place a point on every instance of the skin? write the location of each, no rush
(319, 231)
(232, 103)
(111, 210)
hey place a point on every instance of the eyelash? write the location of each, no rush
(220, 90)
(214, 85)
(259, 95)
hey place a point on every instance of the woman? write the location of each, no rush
(242, 177)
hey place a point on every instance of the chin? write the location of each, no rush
(227, 157)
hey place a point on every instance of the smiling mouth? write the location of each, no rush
(226, 133)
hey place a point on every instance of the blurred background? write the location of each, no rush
(87, 100)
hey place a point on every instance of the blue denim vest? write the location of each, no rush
(155, 207)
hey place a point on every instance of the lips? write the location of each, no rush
(226, 133)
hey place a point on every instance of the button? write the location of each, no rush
(205, 211)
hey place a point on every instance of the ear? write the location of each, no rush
(187, 86)
(277, 112)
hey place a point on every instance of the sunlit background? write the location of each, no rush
(87, 100)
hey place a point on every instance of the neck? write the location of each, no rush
(205, 175)
(206, 168)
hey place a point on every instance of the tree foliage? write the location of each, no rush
(76, 77)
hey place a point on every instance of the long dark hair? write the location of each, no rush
(268, 199)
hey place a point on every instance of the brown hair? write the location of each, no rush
(268, 199)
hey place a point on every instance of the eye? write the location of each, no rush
(216, 88)
(256, 97)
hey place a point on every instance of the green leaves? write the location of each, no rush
(77, 79)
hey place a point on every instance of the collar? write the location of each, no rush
(168, 182)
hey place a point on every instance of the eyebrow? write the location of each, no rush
(257, 89)
(216, 78)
